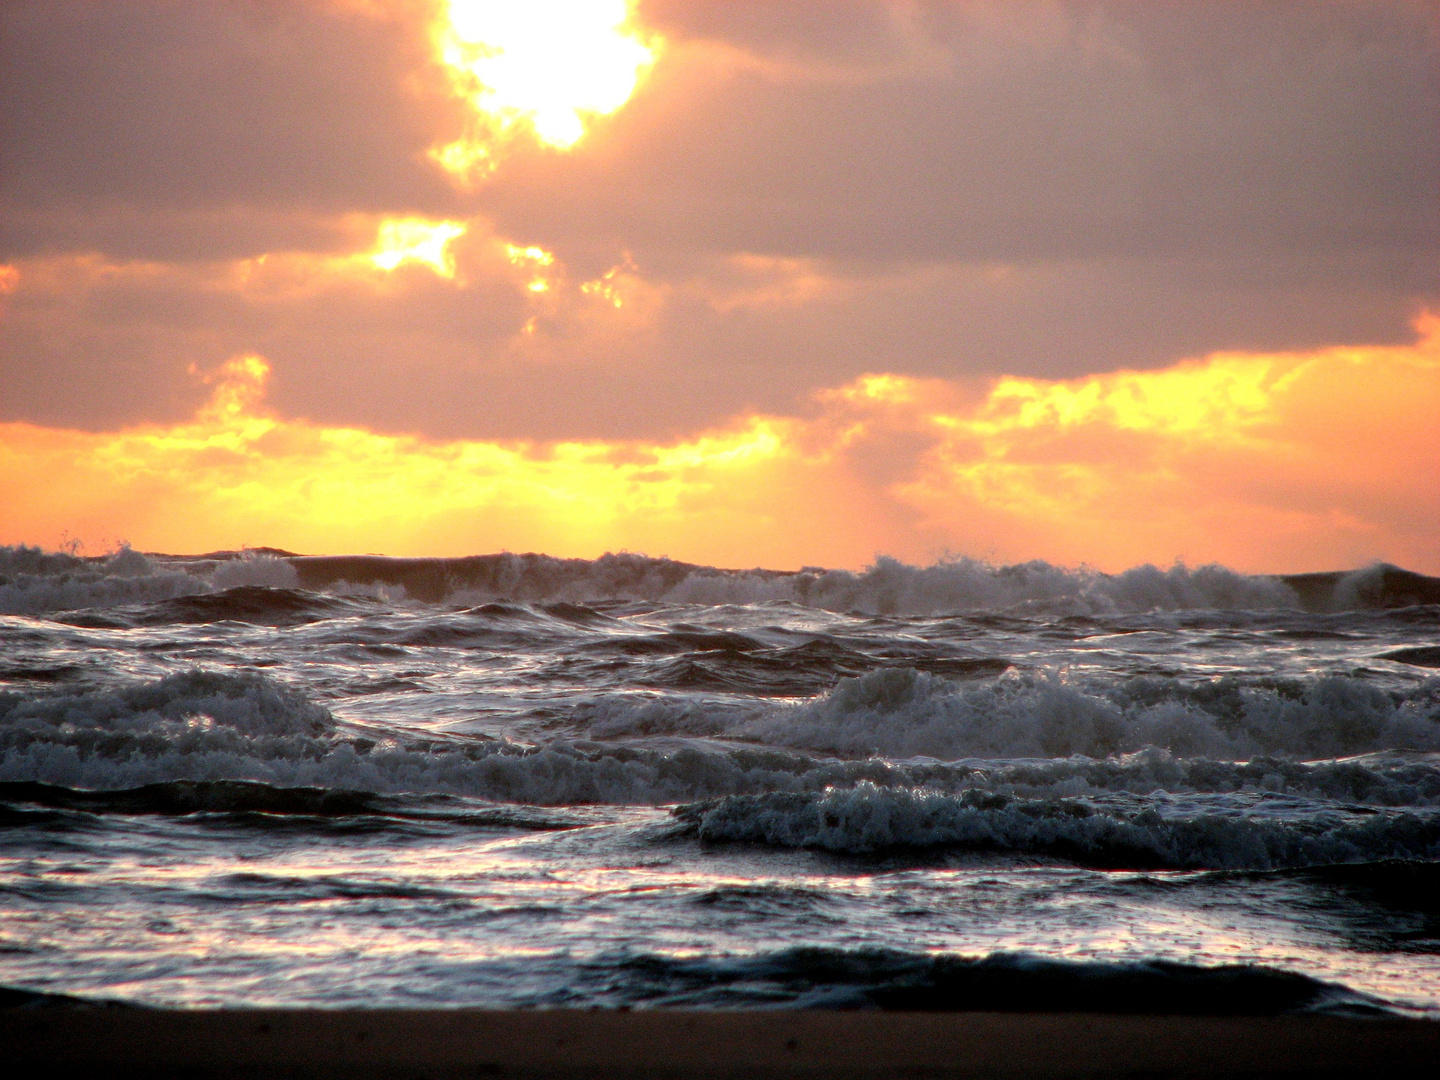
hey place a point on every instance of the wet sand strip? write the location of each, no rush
(129, 1042)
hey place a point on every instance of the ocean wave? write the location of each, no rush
(196, 797)
(33, 582)
(901, 712)
(265, 803)
(1400, 780)
(216, 726)
(893, 979)
(264, 605)
(1417, 656)
(887, 587)
(866, 819)
(832, 978)
(211, 726)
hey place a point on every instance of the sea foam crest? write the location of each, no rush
(33, 582)
(866, 818)
(892, 587)
(899, 712)
(201, 725)
(887, 587)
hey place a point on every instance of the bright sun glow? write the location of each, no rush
(534, 260)
(401, 240)
(544, 65)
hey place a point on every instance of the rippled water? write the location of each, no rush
(518, 781)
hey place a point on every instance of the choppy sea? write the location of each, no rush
(519, 781)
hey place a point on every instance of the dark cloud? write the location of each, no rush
(125, 114)
(424, 355)
(951, 189)
(1051, 131)
(852, 33)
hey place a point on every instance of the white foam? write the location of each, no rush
(246, 726)
(216, 726)
(866, 818)
(34, 582)
(254, 569)
(887, 587)
(637, 715)
(901, 713)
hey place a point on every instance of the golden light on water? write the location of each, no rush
(543, 66)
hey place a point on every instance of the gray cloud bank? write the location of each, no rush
(968, 188)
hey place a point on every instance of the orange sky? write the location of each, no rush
(1262, 462)
(1086, 281)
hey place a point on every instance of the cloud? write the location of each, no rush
(789, 199)
(1264, 461)
(413, 322)
(1012, 132)
(955, 130)
(170, 106)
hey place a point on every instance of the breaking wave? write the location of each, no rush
(887, 587)
(34, 582)
(866, 819)
(211, 726)
(215, 726)
(900, 712)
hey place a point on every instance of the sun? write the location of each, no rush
(543, 66)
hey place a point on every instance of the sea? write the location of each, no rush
(254, 778)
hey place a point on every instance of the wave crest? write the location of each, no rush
(33, 581)
(206, 726)
(900, 712)
(866, 819)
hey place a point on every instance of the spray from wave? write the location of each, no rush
(220, 726)
(35, 582)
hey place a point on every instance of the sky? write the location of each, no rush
(767, 282)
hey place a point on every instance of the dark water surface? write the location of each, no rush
(515, 781)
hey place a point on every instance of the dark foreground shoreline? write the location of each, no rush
(128, 1042)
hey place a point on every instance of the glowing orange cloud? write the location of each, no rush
(534, 261)
(546, 67)
(235, 472)
(389, 260)
(401, 240)
(1263, 461)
